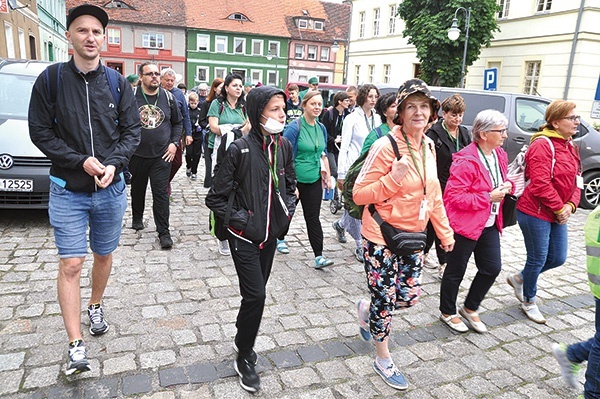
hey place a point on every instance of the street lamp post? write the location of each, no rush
(454, 33)
(335, 47)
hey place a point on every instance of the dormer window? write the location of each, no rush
(318, 25)
(309, 23)
(118, 4)
(238, 17)
(302, 23)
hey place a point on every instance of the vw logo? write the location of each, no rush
(6, 161)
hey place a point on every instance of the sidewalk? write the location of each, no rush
(172, 316)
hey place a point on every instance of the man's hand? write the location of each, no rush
(170, 153)
(189, 140)
(106, 179)
(93, 167)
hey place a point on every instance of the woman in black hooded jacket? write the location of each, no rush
(262, 206)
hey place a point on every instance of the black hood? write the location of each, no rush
(256, 101)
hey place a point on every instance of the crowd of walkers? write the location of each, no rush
(425, 183)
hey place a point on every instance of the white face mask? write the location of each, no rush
(272, 126)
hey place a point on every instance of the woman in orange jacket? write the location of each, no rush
(406, 194)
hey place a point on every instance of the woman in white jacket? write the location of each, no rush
(355, 129)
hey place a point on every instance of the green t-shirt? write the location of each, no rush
(311, 145)
(372, 137)
(228, 116)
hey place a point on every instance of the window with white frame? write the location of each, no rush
(376, 15)
(361, 25)
(201, 74)
(203, 42)
(318, 25)
(299, 51)
(357, 74)
(22, 47)
(387, 72)
(324, 53)
(503, 5)
(257, 47)
(532, 77)
(220, 44)
(371, 73)
(10, 41)
(114, 36)
(274, 49)
(392, 24)
(153, 40)
(272, 78)
(544, 5)
(302, 23)
(220, 72)
(239, 45)
(256, 76)
(312, 53)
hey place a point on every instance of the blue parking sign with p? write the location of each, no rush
(490, 79)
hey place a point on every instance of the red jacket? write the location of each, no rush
(467, 194)
(544, 195)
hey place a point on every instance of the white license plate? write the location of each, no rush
(16, 185)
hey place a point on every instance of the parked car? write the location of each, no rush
(24, 170)
(327, 90)
(525, 115)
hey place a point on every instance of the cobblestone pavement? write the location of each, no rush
(172, 316)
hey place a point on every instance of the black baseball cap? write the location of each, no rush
(87, 9)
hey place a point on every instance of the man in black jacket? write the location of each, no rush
(260, 211)
(161, 136)
(89, 137)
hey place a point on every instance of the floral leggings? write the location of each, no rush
(394, 282)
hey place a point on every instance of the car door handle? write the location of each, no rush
(519, 140)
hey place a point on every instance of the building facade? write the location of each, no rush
(140, 31)
(52, 15)
(544, 47)
(19, 36)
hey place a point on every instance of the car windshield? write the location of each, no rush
(531, 116)
(15, 91)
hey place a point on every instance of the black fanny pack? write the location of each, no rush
(400, 242)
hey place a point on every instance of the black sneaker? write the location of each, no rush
(165, 241)
(188, 172)
(137, 225)
(340, 233)
(253, 356)
(77, 358)
(98, 325)
(249, 380)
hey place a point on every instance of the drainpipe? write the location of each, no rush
(573, 48)
(347, 47)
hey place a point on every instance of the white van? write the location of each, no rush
(24, 170)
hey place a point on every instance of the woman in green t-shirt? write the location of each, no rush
(309, 137)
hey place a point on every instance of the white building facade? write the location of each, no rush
(545, 47)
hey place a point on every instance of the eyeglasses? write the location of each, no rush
(151, 74)
(501, 131)
(573, 118)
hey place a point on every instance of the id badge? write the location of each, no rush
(579, 181)
(495, 208)
(423, 209)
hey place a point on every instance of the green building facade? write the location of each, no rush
(257, 58)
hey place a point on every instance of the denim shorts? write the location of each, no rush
(71, 212)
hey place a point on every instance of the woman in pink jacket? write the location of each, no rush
(406, 193)
(552, 195)
(473, 200)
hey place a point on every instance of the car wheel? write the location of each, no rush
(590, 195)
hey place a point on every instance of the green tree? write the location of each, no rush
(427, 23)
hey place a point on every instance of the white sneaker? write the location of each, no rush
(429, 263)
(224, 248)
(533, 313)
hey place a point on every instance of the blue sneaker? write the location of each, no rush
(391, 375)
(321, 262)
(362, 306)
